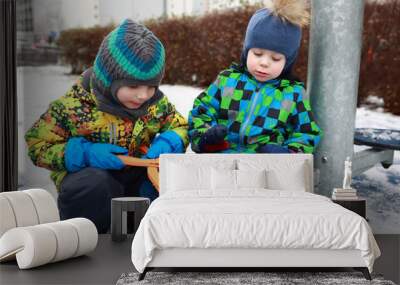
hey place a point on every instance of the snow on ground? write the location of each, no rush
(37, 86)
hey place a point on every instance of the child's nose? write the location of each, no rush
(142, 95)
(265, 62)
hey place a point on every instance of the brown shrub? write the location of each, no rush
(79, 46)
(380, 60)
(198, 49)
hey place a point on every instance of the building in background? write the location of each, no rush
(40, 19)
(177, 8)
(53, 16)
(43, 20)
(116, 11)
(226, 4)
(24, 23)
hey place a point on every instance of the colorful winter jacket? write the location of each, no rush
(76, 114)
(274, 112)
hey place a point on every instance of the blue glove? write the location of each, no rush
(80, 153)
(167, 142)
(102, 155)
(214, 135)
(273, 148)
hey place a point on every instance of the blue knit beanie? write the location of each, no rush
(268, 31)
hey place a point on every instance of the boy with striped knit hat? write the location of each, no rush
(114, 108)
(257, 106)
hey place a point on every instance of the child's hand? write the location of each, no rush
(213, 137)
(273, 148)
(167, 142)
(158, 147)
(102, 155)
(80, 153)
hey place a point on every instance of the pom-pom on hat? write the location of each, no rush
(277, 28)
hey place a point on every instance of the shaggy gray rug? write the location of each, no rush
(242, 278)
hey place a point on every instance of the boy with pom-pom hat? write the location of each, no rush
(257, 106)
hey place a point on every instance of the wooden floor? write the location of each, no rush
(110, 260)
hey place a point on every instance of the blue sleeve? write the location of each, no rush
(205, 112)
(304, 133)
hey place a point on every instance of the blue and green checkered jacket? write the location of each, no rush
(274, 112)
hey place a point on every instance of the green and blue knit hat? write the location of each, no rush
(130, 55)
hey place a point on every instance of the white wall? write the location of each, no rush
(200, 7)
(138, 10)
(179, 7)
(58, 15)
(114, 12)
(77, 13)
(223, 4)
(46, 15)
(143, 10)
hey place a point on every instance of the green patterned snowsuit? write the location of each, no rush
(275, 112)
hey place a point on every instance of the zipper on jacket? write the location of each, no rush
(112, 132)
(246, 121)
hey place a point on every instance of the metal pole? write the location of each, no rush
(333, 73)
